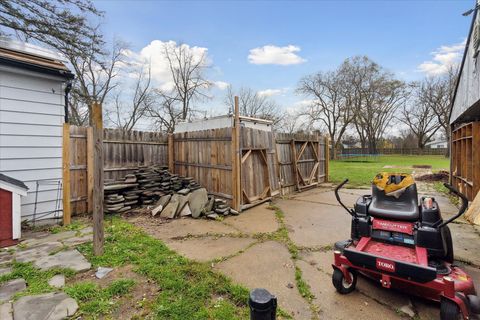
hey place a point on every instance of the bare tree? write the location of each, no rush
(288, 124)
(95, 78)
(329, 104)
(420, 119)
(59, 24)
(252, 104)
(375, 97)
(188, 76)
(436, 93)
(126, 115)
(166, 112)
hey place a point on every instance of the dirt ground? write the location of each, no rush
(251, 250)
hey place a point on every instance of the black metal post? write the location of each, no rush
(263, 305)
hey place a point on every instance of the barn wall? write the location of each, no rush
(468, 92)
(31, 118)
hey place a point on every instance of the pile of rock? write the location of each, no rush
(168, 195)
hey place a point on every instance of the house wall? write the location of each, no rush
(31, 118)
(468, 91)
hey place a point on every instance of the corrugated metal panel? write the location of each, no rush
(31, 117)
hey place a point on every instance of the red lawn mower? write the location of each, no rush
(405, 246)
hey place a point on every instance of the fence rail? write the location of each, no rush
(388, 151)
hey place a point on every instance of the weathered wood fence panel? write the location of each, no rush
(302, 161)
(124, 152)
(259, 170)
(207, 157)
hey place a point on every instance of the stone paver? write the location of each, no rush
(209, 248)
(8, 289)
(268, 265)
(50, 306)
(4, 271)
(265, 220)
(6, 311)
(57, 281)
(49, 238)
(75, 241)
(64, 259)
(36, 252)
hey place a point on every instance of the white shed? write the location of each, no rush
(32, 112)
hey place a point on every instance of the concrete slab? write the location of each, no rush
(64, 259)
(336, 306)
(8, 289)
(268, 265)
(179, 228)
(323, 196)
(207, 249)
(322, 261)
(50, 306)
(264, 220)
(465, 243)
(314, 224)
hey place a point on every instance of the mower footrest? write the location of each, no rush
(401, 269)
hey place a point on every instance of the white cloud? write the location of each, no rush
(304, 103)
(271, 54)
(154, 53)
(221, 85)
(443, 58)
(271, 92)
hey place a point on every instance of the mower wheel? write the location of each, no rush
(449, 310)
(341, 284)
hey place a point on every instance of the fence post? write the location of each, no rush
(66, 175)
(171, 156)
(97, 129)
(90, 169)
(327, 157)
(236, 165)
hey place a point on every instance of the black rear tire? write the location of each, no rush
(449, 310)
(448, 240)
(341, 284)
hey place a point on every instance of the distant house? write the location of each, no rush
(465, 117)
(437, 144)
(32, 113)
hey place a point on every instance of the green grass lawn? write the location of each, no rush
(361, 173)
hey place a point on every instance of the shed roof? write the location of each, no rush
(13, 181)
(47, 64)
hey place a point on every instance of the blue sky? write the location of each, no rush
(400, 35)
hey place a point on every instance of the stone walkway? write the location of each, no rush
(45, 251)
(253, 250)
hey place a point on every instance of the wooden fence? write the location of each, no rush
(267, 163)
(124, 152)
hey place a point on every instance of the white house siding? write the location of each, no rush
(31, 118)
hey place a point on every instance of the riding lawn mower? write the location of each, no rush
(406, 245)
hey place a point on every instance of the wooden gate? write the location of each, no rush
(255, 180)
(305, 163)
